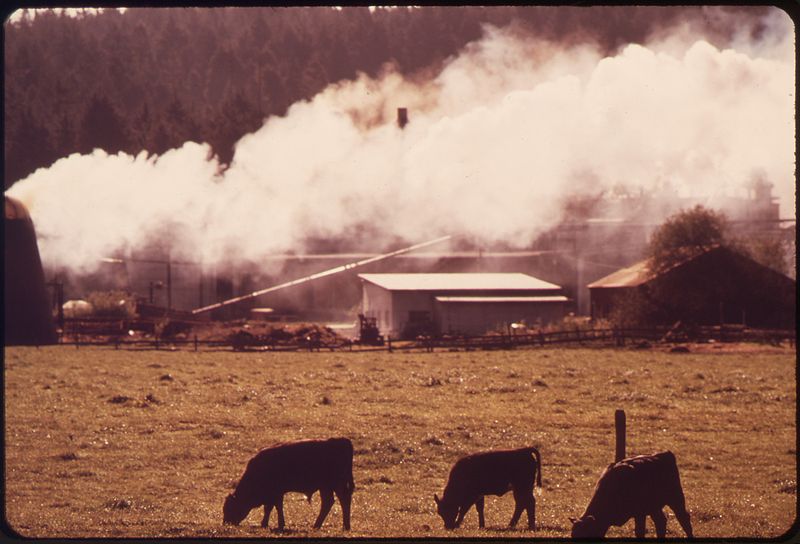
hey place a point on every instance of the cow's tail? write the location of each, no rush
(538, 457)
(351, 484)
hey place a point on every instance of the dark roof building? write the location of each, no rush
(710, 288)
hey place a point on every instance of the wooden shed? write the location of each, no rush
(466, 303)
(717, 286)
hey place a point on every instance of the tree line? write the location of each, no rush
(153, 78)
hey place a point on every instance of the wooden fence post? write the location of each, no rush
(619, 426)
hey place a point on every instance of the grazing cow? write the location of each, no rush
(636, 487)
(491, 473)
(306, 466)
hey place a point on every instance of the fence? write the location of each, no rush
(87, 333)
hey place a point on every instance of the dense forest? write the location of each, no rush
(153, 78)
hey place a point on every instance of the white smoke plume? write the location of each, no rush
(496, 141)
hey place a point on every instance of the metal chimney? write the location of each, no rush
(402, 117)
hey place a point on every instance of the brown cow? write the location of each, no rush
(491, 473)
(636, 487)
(306, 466)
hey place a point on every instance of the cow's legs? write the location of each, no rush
(532, 512)
(660, 521)
(518, 508)
(327, 502)
(479, 508)
(639, 527)
(267, 511)
(279, 508)
(345, 496)
(683, 517)
(524, 501)
(462, 511)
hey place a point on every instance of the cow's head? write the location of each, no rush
(234, 510)
(446, 511)
(587, 527)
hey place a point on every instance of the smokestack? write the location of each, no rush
(402, 117)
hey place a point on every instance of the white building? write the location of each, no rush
(408, 304)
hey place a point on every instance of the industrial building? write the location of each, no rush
(406, 305)
(598, 234)
(717, 286)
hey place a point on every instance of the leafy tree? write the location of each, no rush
(686, 234)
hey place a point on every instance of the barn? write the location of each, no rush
(28, 319)
(406, 305)
(717, 286)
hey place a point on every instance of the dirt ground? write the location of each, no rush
(133, 444)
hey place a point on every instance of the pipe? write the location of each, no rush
(329, 272)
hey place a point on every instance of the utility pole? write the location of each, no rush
(169, 285)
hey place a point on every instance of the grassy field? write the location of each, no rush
(143, 444)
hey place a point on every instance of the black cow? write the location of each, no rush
(306, 466)
(636, 487)
(491, 473)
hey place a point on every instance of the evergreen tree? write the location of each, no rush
(102, 128)
(104, 70)
(27, 147)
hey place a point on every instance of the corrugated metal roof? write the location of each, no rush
(458, 282)
(503, 299)
(634, 275)
(640, 272)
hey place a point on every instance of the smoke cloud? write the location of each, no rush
(496, 141)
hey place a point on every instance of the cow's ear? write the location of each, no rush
(436, 499)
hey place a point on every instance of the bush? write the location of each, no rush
(632, 309)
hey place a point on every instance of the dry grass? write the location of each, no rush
(141, 444)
